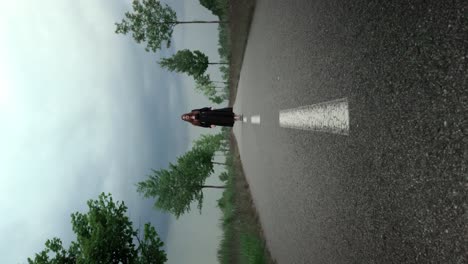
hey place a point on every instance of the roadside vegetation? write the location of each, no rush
(175, 188)
(242, 240)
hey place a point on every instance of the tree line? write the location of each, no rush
(152, 23)
(105, 234)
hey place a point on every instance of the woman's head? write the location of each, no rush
(185, 117)
(189, 117)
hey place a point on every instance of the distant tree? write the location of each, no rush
(203, 79)
(210, 143)
(204, 85)
(224, 176)
(182, 183)
(193, 63)
(213, 6)
(152, 22)
(177, 187)
(104, 235)
(224, 72)
(216, 99)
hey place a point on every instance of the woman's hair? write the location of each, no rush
(190, 120)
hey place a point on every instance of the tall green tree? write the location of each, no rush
(210, 143)
(152, 22)
(204, 85)
(193, 63)
(177, 187)
(104, 235)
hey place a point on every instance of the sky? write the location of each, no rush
(85, 111)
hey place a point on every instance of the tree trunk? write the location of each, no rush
(213, 186)
(198, 22)
(218, 63)
(218, 163)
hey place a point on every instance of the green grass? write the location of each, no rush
(226, 204)
(239, 243)
(252, 250)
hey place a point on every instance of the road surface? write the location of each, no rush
(390, 183)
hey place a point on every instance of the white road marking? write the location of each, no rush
(255, 119)
(331, 117)
(244, 119)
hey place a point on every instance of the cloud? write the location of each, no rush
(91, 112)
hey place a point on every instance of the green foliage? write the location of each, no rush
(150, 247)
(204, 85)
(104, 235)
(177, 187)
(252, 249)
(181, 184)
(239, 242)
(151, 22)
(61, 256)
(203, 80)
(215, 6)
(210, 143)
(224, 176)
(225, 72)
(224, 43)
(193, 63)
(226, 253)
(216, 99)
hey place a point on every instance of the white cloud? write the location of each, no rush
(74, 127)
(81, 113)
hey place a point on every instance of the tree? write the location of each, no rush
(203, 80)
(204, 85)
(152, 22)
(104, 235)
(182, 183)
(213, 6)
(211, 142)
(193, 63)
(216, 99)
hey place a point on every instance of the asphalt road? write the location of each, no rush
(394, 190)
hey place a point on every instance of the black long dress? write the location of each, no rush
(218, 117)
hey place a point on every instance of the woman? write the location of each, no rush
(209, 117)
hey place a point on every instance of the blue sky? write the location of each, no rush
(84, 111)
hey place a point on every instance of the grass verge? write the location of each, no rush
(241, 14)
(242, 240)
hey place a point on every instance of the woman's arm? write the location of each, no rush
(202, 109)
